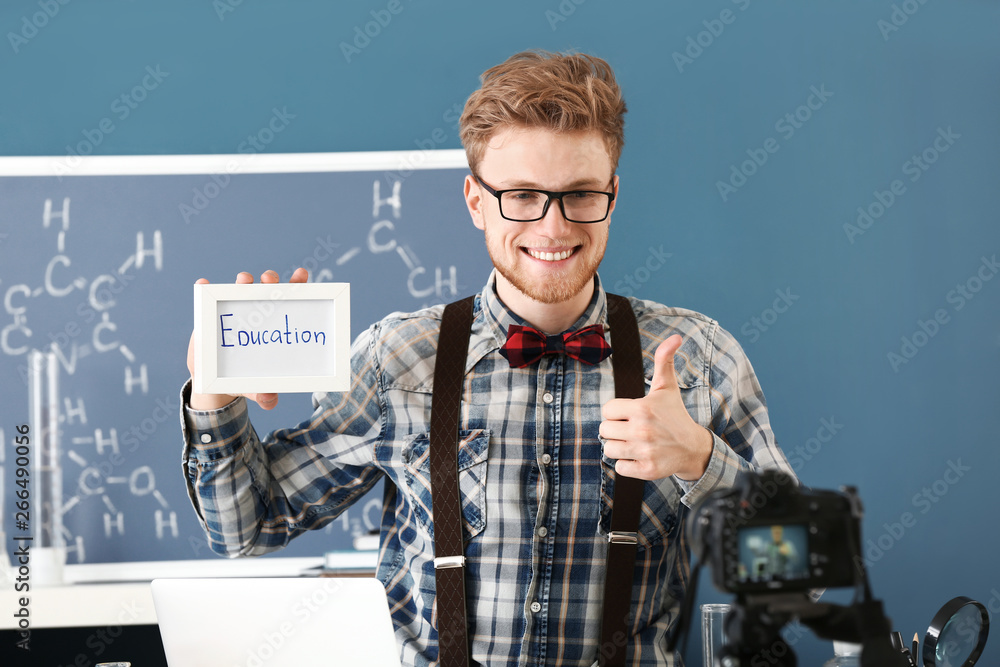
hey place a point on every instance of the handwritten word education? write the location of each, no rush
(289, 336)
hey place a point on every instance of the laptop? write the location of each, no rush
(275, 622)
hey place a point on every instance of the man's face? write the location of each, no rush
(777, 532)
(544, 160)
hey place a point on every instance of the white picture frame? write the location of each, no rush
(248, 338)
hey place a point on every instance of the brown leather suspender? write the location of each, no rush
(449, 560)
(446, 498)
(626, 503)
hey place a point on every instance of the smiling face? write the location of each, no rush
(550, 261)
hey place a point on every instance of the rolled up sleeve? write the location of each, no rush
(253, 496)
(741, 428)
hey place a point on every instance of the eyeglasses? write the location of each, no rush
(529, 205)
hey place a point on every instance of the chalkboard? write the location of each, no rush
(97, 262)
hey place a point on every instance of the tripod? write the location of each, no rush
(753, 628)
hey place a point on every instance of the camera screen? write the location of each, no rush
(773, 553)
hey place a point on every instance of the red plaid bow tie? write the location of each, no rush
(525, 345)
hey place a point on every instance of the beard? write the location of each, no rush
(565, 287)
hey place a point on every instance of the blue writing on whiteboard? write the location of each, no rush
(290, 336)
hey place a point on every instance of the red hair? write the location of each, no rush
(538, 89)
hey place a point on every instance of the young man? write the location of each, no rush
(540, 439)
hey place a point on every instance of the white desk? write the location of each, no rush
(108, 594)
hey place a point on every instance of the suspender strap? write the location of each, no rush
(627, 501)
(446, 500)
(449, 560)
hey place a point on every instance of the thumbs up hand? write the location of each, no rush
(654, 437)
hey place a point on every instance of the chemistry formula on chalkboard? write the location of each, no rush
(97, 269)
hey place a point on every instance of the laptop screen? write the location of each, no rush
(277, 622)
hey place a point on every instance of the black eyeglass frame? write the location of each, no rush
(550, 195)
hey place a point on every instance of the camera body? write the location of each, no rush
(768, 535)
(772, 543)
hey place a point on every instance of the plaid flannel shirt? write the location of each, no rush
(536, 487)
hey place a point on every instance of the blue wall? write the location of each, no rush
(889, 327)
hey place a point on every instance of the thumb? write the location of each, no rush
(265, 401)
(663, 364)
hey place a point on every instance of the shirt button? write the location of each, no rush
(546, 459)
(547, 397)
(536, 607)
(206, 438)
(543, 531)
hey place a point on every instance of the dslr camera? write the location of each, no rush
(769, 535)
(772, 542)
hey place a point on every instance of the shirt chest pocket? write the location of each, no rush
(658, 516)
(661, 499)
(473, 450)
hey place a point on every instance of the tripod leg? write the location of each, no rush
(773, 652)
